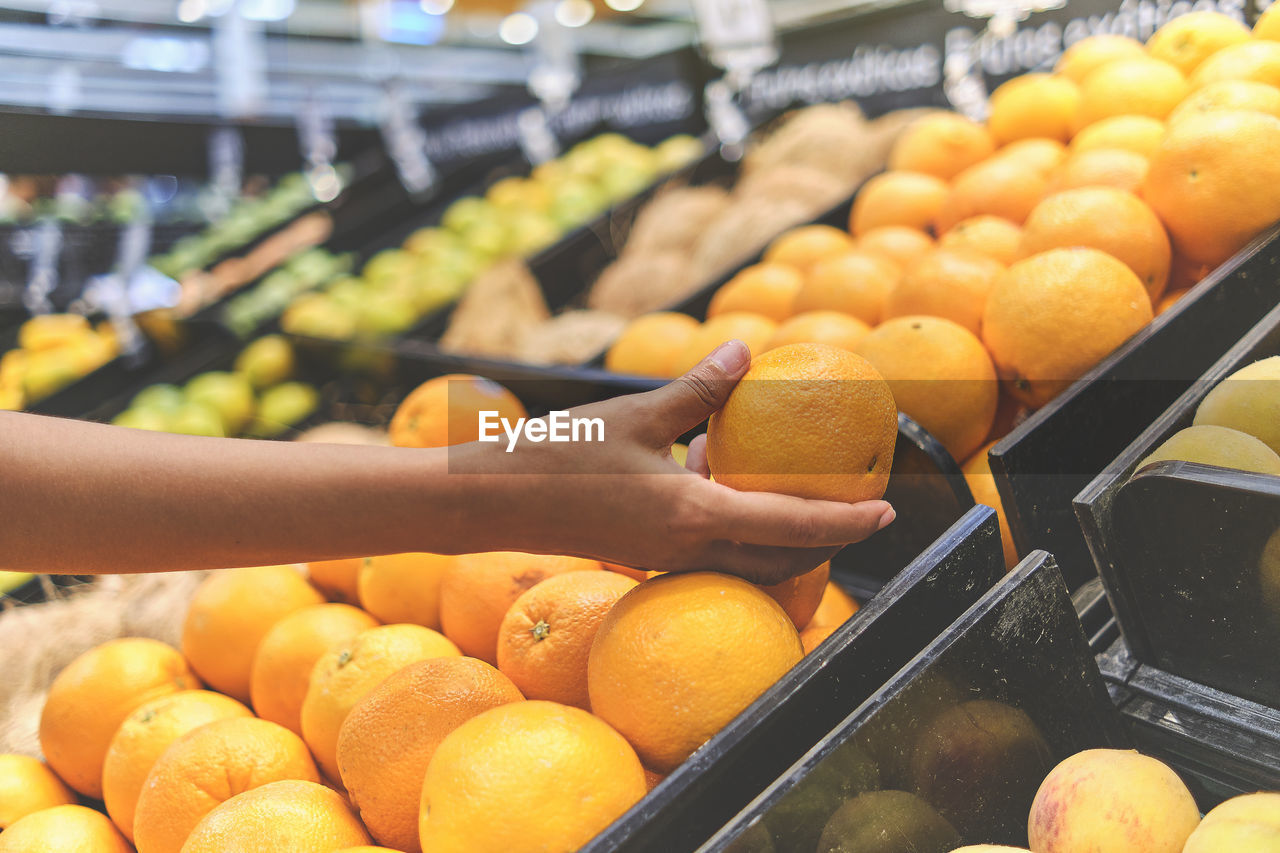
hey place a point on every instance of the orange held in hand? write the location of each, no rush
(683, 654)
(807, 420)
(446, 410)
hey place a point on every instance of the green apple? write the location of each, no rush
(386, 314)
(530, 232)
(519, 194)
(577, 202)
(466, 212)
(487, 239)
(283, 407)
(267, 361)
(676, 152)
(319, 316)
(165, 399)
(198, 419)
(148, 419)
(10, 581)
(389, 264)
(228, 394)
(432, 241)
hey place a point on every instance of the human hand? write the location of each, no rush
(626, 500)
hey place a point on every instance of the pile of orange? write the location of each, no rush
(995, 263)
(486, 702)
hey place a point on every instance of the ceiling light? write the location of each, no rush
(624, 5)
(574, 13)
(436, 7)
(190, 11)
(520, 28)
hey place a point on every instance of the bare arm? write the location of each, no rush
(84, 498)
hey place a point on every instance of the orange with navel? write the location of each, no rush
(941, 144)
(948, 283)
(765, 289)
(833, 328)
(804, 246)
(806, 420)
(1188, 40)
(404, 587)
(896, 243)
(1104, 218)
(651, 345)
(446, 410)
(388, 739)
(982, 483)
(1148, 87)
(94, 694)
(208, 766)
(911, 199)
(230, 613)
(479, 589)
(801, 595)
(683, 654)
(1034, 105)
(1053, 316)
(282, 667)
(346, 673)
(553, 776)
(28, 785)
(1101, 167)
(1002, 186)
(941, 377)
(991, 236)
(545, 637)
(286, 815)
(1094, 51)
(855, 282)
(145, 735)
(1213, 182)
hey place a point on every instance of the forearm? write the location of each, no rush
(84, 498)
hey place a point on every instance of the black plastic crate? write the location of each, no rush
(1223, 745)
(1181, 549)
(702, 794)
(965, 732)
(1050, 457)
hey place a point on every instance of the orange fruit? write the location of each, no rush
(1104, 218)
(1043, 155)
(1033, 105)
(387, 740)
(337, 579)
(897, 198)
(834, 610)
(856, 283)
(820, 327)
(1139, 134)
(91, 697)
(230, 613)
(896, 243)
(1101, 167)
(1147, 87)
(366, 848)
(527, 776)
(807, 420)
(282, 667)
(144, 736)
(764, 289)
(479, 589)
(1253, 60)
(950, 283)
(652, 779)
(545, 637)
(1002, 186)
(446, 410)
(1169, 300)
(28, 785)
(1089, 53)
(991, 236)
(804, 246)
(1267, 27)
(1188, 40)
(1010, 412)
(1213, 182)
(1229, 95)
(291, 814)
(651, 345)
(1185, 273)
(940, 375)
(683, 654)
(941, 144)
(208, 766)
(753, 330)
(800, 595)
(346, 673)
(1053, 316)
(977, 473)
(404, 587)
(643, 574)
(63, 829)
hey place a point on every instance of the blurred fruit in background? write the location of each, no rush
(53, 351)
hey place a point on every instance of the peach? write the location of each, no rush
(1250, 822)
(1111, 801)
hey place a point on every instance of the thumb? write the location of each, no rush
(684, 403)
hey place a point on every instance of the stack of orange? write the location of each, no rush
(995, 263)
